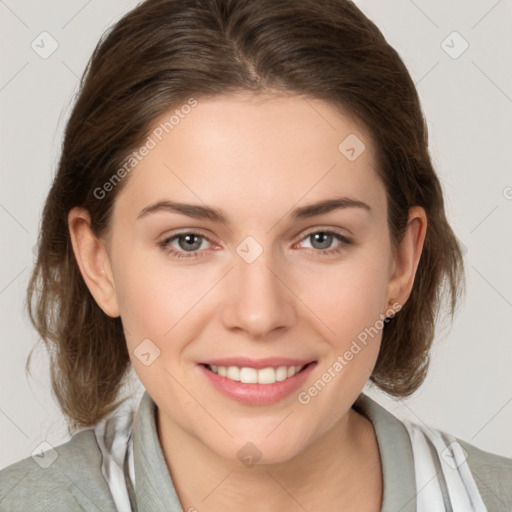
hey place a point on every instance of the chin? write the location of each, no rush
(260, 450)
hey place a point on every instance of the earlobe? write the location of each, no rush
(408, 256)
(93, 261)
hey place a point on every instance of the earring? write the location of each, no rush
(389, 318)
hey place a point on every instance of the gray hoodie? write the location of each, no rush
(74, 481)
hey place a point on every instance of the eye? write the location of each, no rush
(323, 240)
(187, 245)
(190, 244)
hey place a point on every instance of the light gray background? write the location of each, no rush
(467, 102)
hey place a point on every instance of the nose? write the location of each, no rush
(258, 299)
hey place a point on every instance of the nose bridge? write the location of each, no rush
(258, 300)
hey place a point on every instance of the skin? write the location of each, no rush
(255, 159)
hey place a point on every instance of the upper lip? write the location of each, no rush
(266, 362)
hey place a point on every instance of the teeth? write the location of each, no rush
(253, 376)
(281, 373)
(234, 373)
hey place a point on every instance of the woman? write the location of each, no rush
(245, 213)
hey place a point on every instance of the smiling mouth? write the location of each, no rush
(248, 375)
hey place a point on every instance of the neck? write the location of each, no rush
(343, 466)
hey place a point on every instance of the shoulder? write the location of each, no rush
(67, 477)
(493, 476)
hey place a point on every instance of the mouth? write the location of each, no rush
(264, 385)
(250, 375)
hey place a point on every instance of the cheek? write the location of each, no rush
(349, 297)
(153, 305)
(349, 301)
(147, 297)
(159, 301)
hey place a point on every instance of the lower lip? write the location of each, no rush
(257, 394)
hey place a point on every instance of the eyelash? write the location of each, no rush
(165, 244)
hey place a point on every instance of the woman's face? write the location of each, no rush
(247, 273)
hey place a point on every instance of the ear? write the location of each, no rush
(93, 260)
(407, 256)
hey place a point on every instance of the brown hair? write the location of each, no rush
(165, 51)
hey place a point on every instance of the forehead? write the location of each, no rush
(256, 154)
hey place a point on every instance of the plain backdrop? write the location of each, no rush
(458, 53)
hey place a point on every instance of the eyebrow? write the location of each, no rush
(206, 212)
